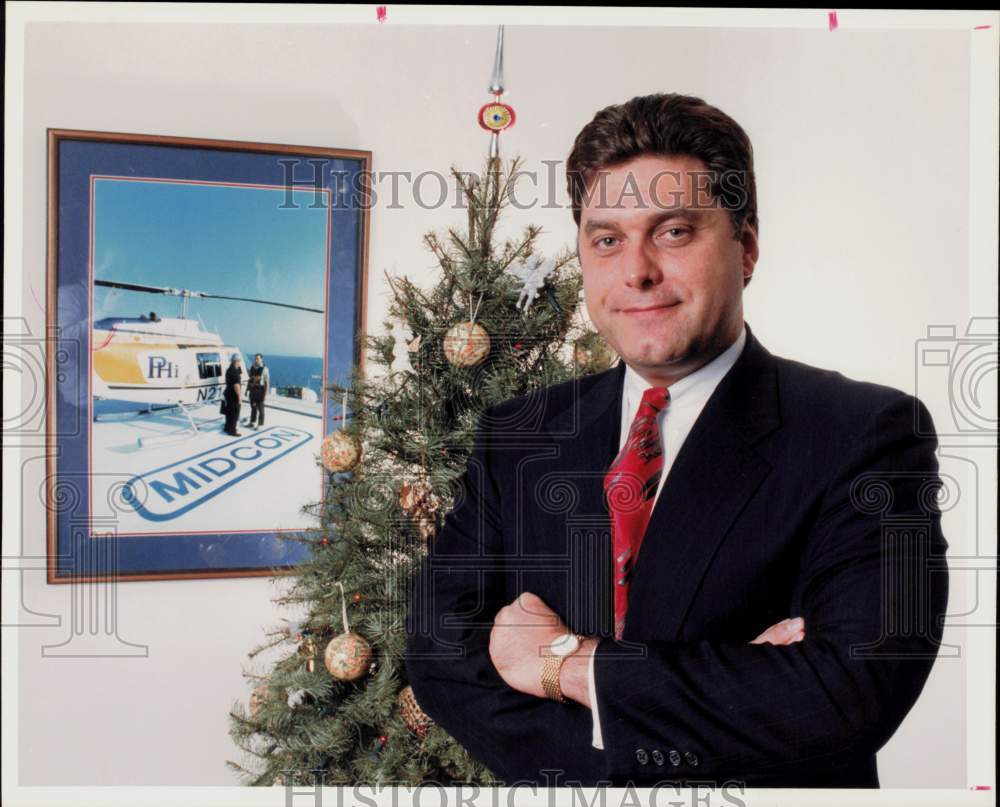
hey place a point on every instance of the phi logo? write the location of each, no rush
(161, 367)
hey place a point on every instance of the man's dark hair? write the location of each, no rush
(668, 124)
(258, 356)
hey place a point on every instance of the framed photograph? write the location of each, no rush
(202, 294)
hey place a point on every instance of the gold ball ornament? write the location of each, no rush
(340, 452)
(466, 344)
(591, 352)
(415, 718)
(347, 656)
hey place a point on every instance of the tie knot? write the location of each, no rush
(656, 397)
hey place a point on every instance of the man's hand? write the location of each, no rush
(788, 631)
(522, 632)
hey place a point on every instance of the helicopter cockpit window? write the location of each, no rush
(209, 365)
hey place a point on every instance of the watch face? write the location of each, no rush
(564, 645)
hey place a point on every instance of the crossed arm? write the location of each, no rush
(525, 627)
(739, 709)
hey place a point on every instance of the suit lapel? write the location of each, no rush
(588, 431)
(713, 477)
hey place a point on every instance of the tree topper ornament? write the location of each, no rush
(496, 116)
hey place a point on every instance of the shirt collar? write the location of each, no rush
(699, 384)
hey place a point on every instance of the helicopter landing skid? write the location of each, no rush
(189, 432)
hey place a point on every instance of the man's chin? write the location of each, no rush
(653, 359)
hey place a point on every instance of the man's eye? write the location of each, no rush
(606, 241)
(675, 233)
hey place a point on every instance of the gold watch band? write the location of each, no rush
(551, 667)
(550, 678)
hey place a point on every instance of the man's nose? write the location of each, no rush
(641, 266)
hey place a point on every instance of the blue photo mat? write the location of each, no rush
(76, 553)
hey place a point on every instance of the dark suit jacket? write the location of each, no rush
(798, 492)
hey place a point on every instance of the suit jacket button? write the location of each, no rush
(658, 756)
(691, 759)
(641, 756)
(675, 757)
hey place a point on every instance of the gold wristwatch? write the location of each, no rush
(562, 647)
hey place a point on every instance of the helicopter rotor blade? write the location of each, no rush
(117, 284)
(262, 302)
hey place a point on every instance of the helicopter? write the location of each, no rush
(165, 361)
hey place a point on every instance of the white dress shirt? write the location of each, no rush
(687, 398)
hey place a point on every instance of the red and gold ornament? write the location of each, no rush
(466, 344)
(340, 452)
(348, 655)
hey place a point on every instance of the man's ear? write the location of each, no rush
(751, 251)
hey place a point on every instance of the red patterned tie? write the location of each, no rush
(630, 487)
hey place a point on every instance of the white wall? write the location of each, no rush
(861, 140)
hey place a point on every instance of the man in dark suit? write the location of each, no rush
(566, 627)
(232, 395)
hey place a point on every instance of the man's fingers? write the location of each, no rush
(526, 610)
(788, 631)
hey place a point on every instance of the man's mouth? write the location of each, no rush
(646, 310)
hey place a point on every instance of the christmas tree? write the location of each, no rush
(337, 708)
